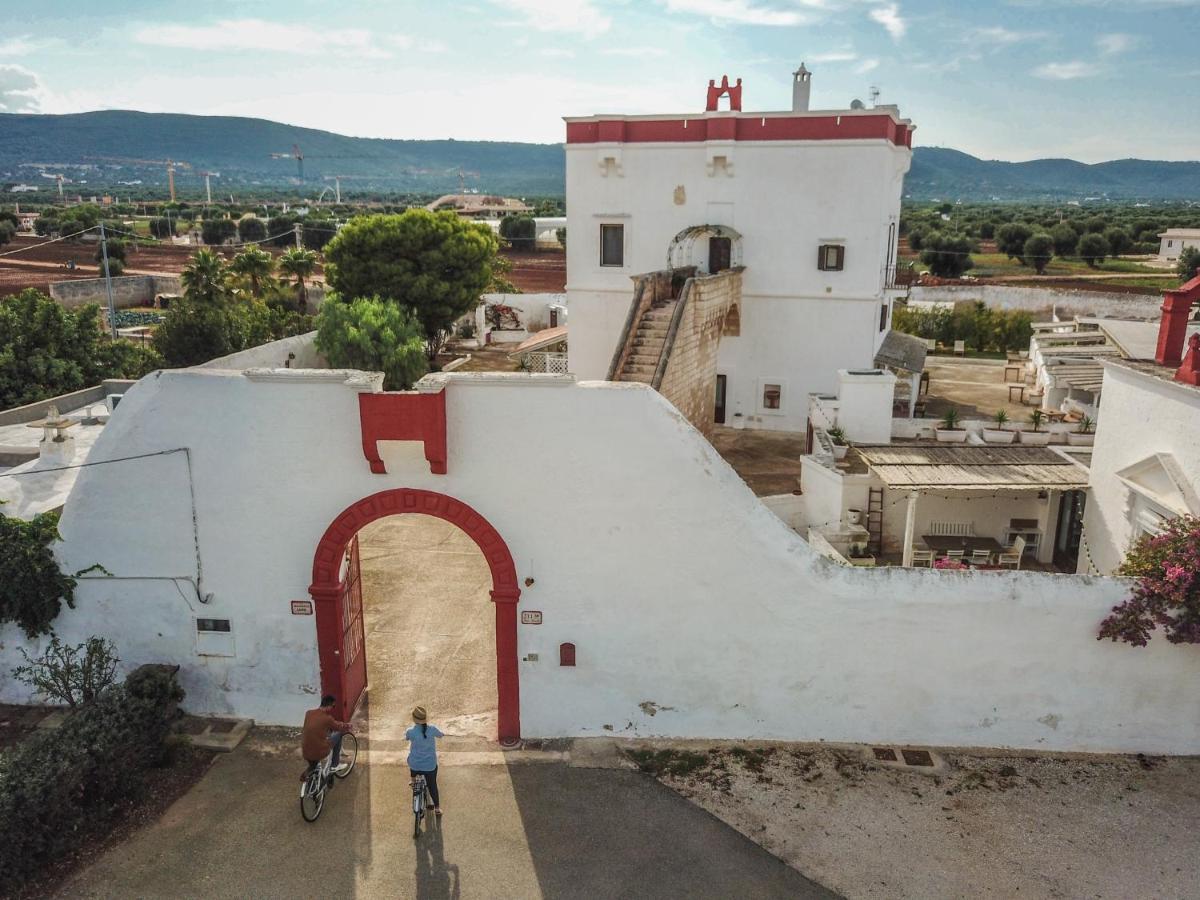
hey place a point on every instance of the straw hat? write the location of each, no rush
(419, 715)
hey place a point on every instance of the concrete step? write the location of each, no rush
(644, 379)
(647, 370)
(643, 359)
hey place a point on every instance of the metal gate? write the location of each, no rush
(354, 646)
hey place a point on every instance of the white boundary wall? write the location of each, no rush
(678, 586)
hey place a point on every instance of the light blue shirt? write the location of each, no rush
(422, 750)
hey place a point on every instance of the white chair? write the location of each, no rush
(922, 558)
(956, 555)
(960, 348)
(1012, 556)
(981, 557)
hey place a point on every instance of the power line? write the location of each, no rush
(48, 241)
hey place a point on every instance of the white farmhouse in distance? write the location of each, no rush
(807, 201)
(1173, 241)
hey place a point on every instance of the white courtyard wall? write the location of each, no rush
(1143, 415)
(678, 586)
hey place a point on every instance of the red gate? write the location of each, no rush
(354, 645)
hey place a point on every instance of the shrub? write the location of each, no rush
(375, 335)
(73, 675)
(162, 228)
(947, 256)
(32, 587)
(1167, 594)
(217, 231)
(519, 231)
(1189, 262)
(251, 228)
(60, 785)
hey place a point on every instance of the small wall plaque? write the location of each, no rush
(302, 608)
(531, 617)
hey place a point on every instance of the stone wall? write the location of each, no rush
(689, 381)
(1040, 301)
(128, 290)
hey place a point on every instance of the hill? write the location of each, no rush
(240, 149)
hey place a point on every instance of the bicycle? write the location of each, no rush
(320, 776)
(421, 801)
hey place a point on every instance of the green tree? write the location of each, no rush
(947, 256)
(918, 236)
(1038, 251)
(437, 264)
(375, 335)
(162, 228)
(1065, 239)
(46, 350)
(217, 231)
(1011, 238)
(195, 331)
(1189, 262)
(299, 265)
(255, 269)
(987, 230)
(1118, 239)
(1093, 248)
(7, 232)
(519, 231)
(250, 229)
(1095, 225)
(205, 278)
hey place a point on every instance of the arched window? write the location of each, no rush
(566, 654)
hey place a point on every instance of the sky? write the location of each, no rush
(1001, 79)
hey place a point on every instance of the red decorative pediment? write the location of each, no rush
(408, 416)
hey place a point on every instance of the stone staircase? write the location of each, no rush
(648, 342)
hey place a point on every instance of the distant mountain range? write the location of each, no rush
(241, 150)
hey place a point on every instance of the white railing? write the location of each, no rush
(548, 363)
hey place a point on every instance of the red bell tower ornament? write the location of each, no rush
(715, 93)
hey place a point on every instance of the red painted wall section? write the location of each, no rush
(404, 417)
(742, 128)
(1189, 372)
(1172, 328)
(716, 92)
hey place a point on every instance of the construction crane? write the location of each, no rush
(208, 184)
(337, 183)
(298, 155)
(171, 164)
(462, 179)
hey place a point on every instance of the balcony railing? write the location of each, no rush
(899, 278)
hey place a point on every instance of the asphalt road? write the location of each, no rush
(521, 831)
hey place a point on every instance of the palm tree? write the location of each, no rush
(205, 278)
(299, 264)
(257, 267)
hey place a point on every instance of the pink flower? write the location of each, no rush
(1176, 573)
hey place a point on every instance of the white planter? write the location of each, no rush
(840, 451)
(861, 560)
(739, 421)
(999, 435)
(951, 436)
(1078, 439)
(853, 516)
(1035, 438)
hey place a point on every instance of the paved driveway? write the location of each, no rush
(520, 831)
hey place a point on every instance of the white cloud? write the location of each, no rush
(997, 34)
(1066, 71)
(638, 52)
(867, 65)
(1110, 44)
(20, 46)
(833, 56)
(557, 52)
(573, 16)
(738, 12)
(20, 90)
(889, 17)
(234, 35)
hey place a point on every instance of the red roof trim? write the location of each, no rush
(740, 128)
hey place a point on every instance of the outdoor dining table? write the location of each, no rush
(940, 543)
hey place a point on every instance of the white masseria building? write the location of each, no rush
(807, 201)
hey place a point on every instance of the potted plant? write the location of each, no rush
(840, 446)
(1036, 438)
(949, 432)
(858, 555)
(1082, 436)
(999, 434)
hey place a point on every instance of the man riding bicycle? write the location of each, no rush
(322, 734)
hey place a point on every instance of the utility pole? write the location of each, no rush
(298, 229)
(112, 308)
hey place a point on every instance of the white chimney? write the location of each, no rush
(801, 86)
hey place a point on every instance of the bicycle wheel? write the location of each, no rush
(312, 796)
(349, 754)
(417, 823)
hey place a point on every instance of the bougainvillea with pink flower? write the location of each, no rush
(951, 564)
(1167, 593)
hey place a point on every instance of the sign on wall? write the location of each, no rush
(531, 617)
(302, 608)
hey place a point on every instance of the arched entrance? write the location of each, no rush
(338, 604)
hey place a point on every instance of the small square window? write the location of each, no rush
(772, 395)
(212, 625)
(612, 245)
(831, 257)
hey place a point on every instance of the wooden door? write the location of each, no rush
(720, 251)
(354, 645)
(719, 407)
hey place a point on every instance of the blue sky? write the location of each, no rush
(1009, 79)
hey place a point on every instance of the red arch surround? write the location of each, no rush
(326, 588)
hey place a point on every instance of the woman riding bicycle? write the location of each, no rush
(422, 753)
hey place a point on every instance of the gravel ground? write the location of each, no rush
(986, 826)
